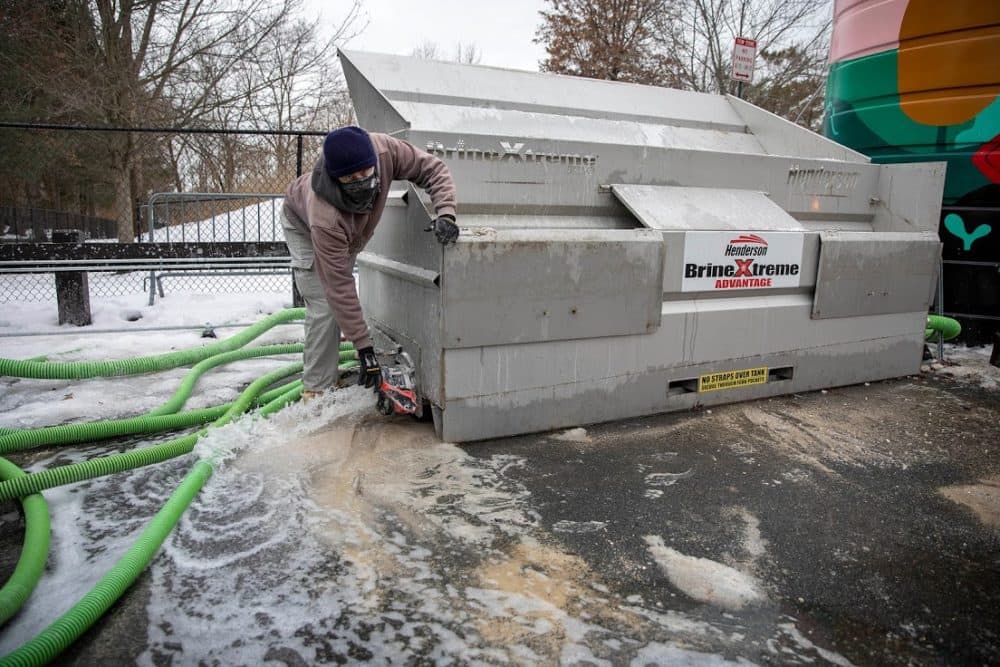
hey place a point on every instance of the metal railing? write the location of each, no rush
(213, 217)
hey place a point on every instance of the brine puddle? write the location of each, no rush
(329, 534)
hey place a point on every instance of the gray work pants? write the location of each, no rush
(322, 345)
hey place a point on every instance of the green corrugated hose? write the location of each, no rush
(16, 590)
(160, 419)
(34, 551)
(101, 430)
(112, 428)
(176, 402)
(52, 641)
(946, 326)
(107, 465)
(76, 370)
(57, 637)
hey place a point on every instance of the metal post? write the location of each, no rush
(72, 287)
(137, 220)
(940, 309)
(298, 156)
(152, 236)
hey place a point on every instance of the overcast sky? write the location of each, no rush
(501, 30)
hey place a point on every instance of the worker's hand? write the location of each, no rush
(371, 372)
(444, 228)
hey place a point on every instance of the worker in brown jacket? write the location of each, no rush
(328, 217)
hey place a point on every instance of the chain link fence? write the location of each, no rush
(147, 185)
(213, 217)
(25, 224)
(40, 287)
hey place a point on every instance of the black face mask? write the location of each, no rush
(359, 196)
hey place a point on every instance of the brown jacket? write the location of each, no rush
(338, 236)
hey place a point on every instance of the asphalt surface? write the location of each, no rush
(864, 548)
(859, 525)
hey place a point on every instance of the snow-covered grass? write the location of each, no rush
(36, 403)
(256, 222)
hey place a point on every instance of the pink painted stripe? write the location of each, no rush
(864, 27)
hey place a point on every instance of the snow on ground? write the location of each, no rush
(256, 222)
(703, 579)
(35, 403)
(131, 311)
(970, 365)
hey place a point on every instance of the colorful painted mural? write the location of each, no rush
(917, 80)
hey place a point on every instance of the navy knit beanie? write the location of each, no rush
(347, 150)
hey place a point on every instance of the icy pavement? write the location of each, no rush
(369, 540)
(851, 526)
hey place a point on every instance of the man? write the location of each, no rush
(328, 217)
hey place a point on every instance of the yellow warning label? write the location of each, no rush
(732, 379)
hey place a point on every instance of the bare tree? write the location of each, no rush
(709, 28)
(790, 82)
(466, 53)
(305, 91)
(688, 44)
(619, 40)
(188, 63)
(427, 50)
(307, 73)
(47, 169)
(165, 62)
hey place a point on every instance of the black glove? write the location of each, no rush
(371, 372)
(444, 228)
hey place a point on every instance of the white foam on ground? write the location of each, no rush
(803, 642)
(578, 526)
(754, 543)
(656, 653)
(703, 579)
(676, 621)
(93, 524)
(970, 365)
(572, 435)
(667, 478)
(281, 567)
(298, 570)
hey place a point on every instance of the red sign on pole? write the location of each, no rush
(744, 54)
